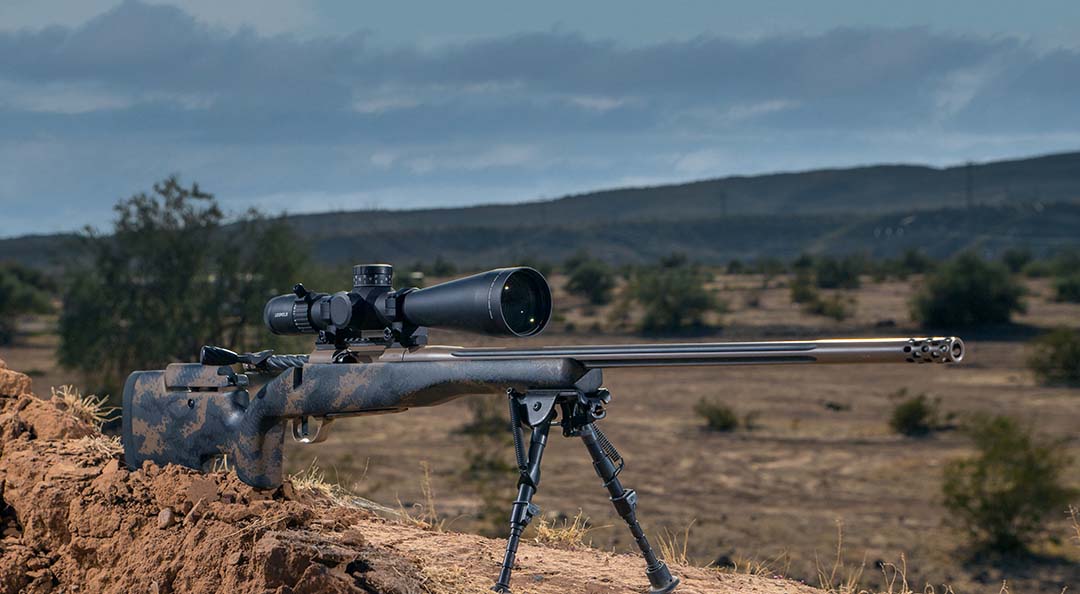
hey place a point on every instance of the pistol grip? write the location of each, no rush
(190, 428)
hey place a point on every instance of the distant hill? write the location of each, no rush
(880, 210)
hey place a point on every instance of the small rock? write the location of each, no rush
(202, 488)
(165, 518)
(287, 491)
(154, 588)
(236, 558)
(3, 364)
(196, 512)
(13, 383)
(111, 467)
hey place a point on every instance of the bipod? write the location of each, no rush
(578, 413)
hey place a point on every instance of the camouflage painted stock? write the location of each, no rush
(190, 414)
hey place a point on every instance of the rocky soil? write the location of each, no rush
(73, 518)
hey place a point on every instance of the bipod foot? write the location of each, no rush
(625, 502)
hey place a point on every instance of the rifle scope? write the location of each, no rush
(500, 302)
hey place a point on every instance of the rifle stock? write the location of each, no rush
(189, 414)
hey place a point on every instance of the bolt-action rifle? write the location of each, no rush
(372, 357)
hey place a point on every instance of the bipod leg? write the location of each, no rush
(625, 501)
(523, 509)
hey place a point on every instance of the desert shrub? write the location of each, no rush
(1015, 259)
(576, 259)
(769, 266)
(837, 307)
(717, 415)
(22, 291)
(1067, 288)
(913, 261)
(168, 280)
(1056, 357)
(802, 288)
(1038, 269)
(803, 263)
(737, 267)
(915, 416)
(673, 295)
(443, 267)
(837, 273)
(968, 291)
(1001, 496)
(593, 280)
(487, 416)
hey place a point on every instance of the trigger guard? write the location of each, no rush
(301, 434)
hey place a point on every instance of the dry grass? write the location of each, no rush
(102, 446)
(221, 464)
(425, 515)
(313, 480)
(840, 579)
(89, 409)
(450, 580)
(762, 567)
(1074, 515)
(672, 548)
(569, 534)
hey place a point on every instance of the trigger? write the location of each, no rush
(302, 429)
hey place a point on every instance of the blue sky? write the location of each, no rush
(312, 106)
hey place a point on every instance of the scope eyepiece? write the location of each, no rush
(501, 302)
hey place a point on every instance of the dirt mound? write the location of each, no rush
(74, 519)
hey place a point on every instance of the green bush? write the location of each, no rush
(717, 415)
(1056, 357)
(737, 267)
(802, 289)
(804, 263)
(913, 261)
(837, 307)
(838, 273)
(1015, 259)
(22, 291)
(1001, 496)
(443, 267)
(593, 280)
(170, 279)
(915, 416)
(487, 416)
(769, 266)
(673, 295)
(1067, 288)
(968, 291)
(1039, 269)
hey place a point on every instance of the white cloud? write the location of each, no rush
(597, 103)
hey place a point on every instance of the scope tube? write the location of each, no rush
(500, 302)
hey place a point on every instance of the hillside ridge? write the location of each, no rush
(1030, 203)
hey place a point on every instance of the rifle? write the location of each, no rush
(371, 357)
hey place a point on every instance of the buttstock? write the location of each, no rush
(191, 426)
